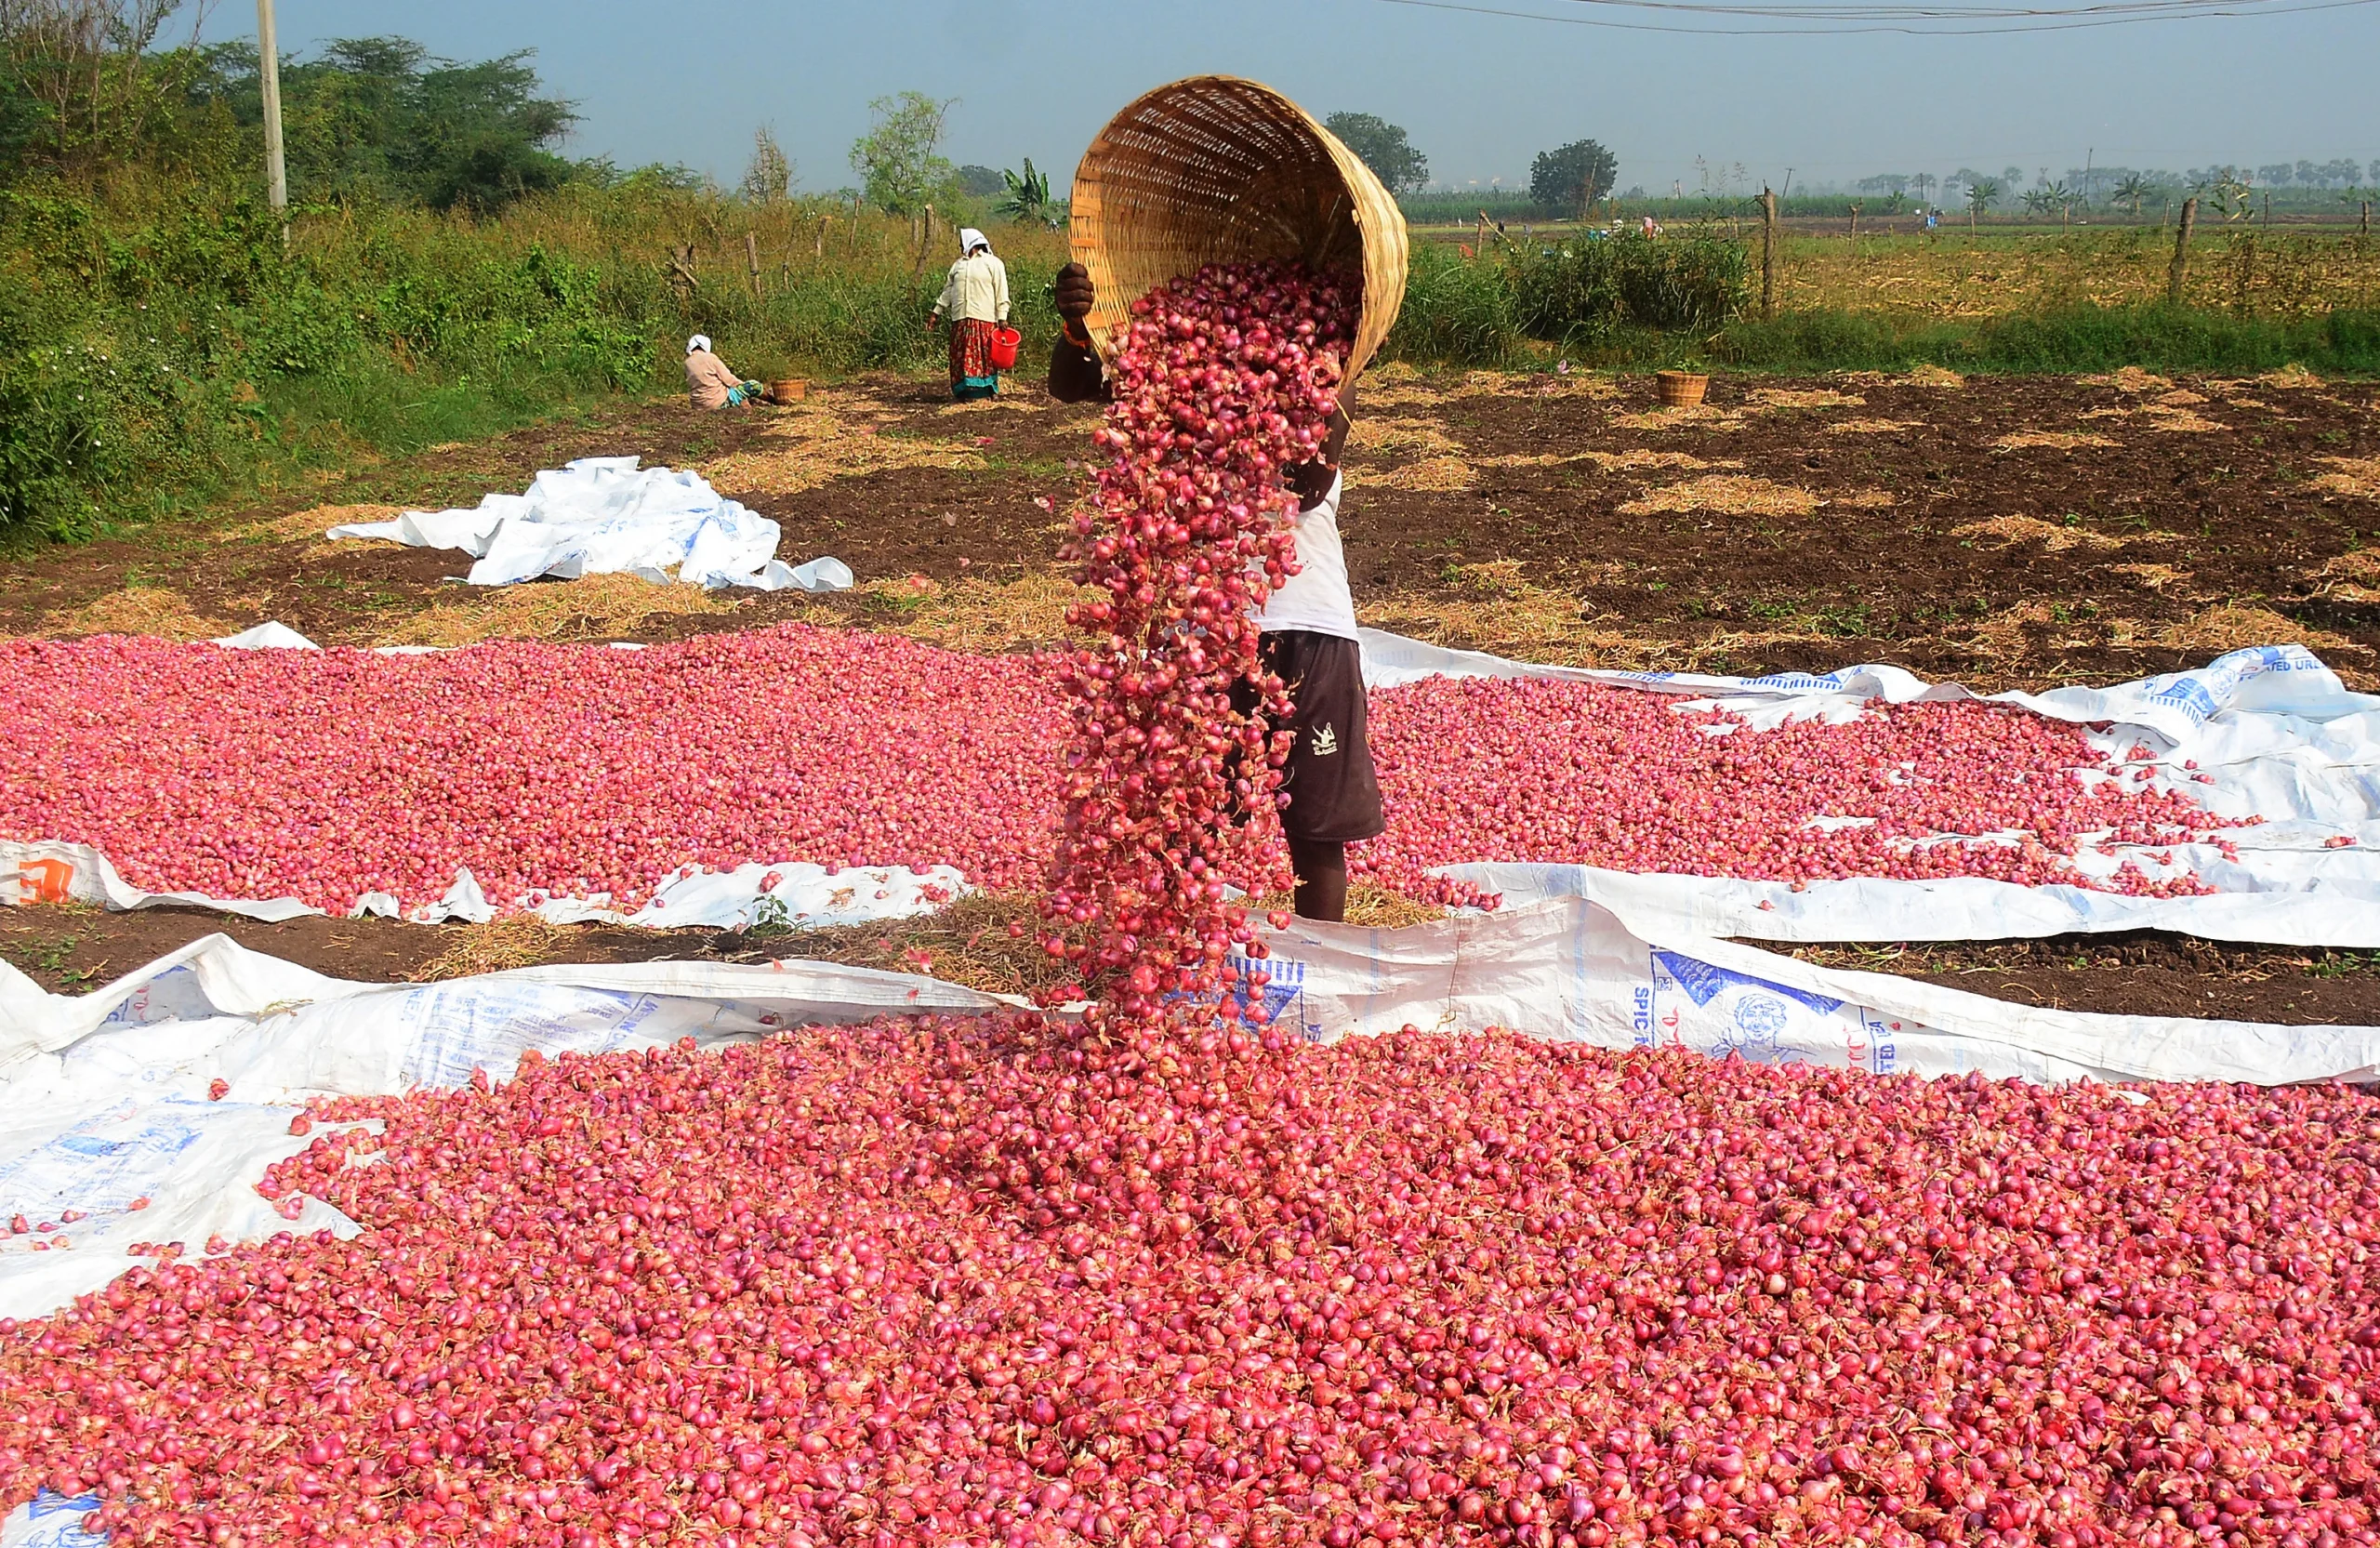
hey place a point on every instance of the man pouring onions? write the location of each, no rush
(1307, 639)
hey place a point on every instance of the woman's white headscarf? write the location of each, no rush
(969, 239)
(700, 341)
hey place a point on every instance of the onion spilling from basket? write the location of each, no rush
(1223, 381)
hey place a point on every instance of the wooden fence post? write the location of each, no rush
(2181, 269)
(1768, 255)
(818, 247)
(752, 260)
(2365, 229)
(681, 268)
(1854, 222)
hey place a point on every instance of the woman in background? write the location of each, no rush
(976, 299)
(710, 383)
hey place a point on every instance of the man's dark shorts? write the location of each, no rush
(1333, 793)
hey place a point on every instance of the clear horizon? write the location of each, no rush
(1479, 95)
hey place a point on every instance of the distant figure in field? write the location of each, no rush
(975, 296)
(708, 381)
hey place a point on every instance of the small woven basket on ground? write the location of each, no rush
(1218, 170)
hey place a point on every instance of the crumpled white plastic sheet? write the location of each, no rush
(2273, 730)
(601, 515)
(795, 894)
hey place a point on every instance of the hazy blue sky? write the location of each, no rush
(1480, 94)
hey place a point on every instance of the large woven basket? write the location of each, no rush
(1216, 170)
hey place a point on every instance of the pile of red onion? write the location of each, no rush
(1221, 382)
(979, 1281)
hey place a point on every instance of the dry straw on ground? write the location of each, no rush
(2355, 477)
(2293, 375)
(2131, 379)
(981, 616)
(1770, 398)
(591, 607)
(1642, 456)
(1493, 607)
(1728, 495)
(1401, 437)
(2156, 577)
(2181, 421)
(1701, 417)
(511, 941)
(2029, 529)
(2236, 626)
(1874, 427)
(152, 610)
(301, 525)
(2353, 576)
(808, 448)
(2057, 441)
(1431, 475)
(1934, 376)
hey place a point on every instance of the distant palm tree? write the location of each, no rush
(1980, 194)
(2131, 191)
(1028, 197)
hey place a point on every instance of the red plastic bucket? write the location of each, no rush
(1004, 345)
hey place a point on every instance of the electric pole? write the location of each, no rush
(276, 173)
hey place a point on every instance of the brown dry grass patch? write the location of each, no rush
(2293, 375)
(2131, 379)
(591, 607)
(979, 615)
(1701, 417)
(806, 448)
(156, 611)
(1402, 437)
(2355, 477)
(2181, 421)
(1934, 376)
(2181, 397)
(311, 524)
(1728, 495)
(2030, 529)
(1431, 475)
(1874, 427)
(1774, 398)
(965, 942)
(1643, 456)
(2156, 577)
(504, 943)
(2353, 576)
(2236, 626)
(1864, 499)
(2055, 440)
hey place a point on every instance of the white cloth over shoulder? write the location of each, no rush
(605, 515)
(1316, 598)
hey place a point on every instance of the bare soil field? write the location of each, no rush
(2004, 532)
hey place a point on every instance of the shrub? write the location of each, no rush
(1591, 284)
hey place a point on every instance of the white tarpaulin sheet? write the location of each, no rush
(795, 894)
(2272, 731)
(601, 515)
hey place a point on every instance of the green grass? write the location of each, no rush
(2075, 339)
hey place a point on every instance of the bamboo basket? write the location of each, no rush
(1216, 170)
(789, 390)
(1681, 388)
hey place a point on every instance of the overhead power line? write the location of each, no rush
(1912, 20)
